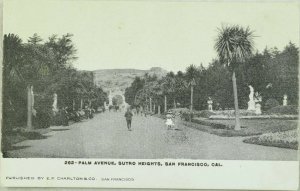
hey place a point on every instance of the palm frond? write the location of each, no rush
(234, 43)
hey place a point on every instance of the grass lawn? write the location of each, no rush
(286, 139)
(249, 126)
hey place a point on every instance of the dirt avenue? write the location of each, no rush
(106, 136)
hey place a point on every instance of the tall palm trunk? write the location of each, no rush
(158, 109)
(191, 107)
(166, 103)
(174, 103)
(29, 107)
(192, 92)
(150, 104)
(81, 104)
(236, 104)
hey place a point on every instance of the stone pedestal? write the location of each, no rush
(257, 109)
(251, 105)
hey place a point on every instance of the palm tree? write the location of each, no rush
(168, 85)
(233, 45)
(157, 93)
(180, 85)
(25, 64)
(12, 58)
(149, 93)
(12, 67)
(191, 73)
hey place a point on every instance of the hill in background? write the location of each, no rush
(120, 79)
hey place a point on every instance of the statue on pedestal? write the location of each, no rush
(105, 106)
(251, 102)
(258, 100)
(284, 100)
(32, 102)
(210, 102)
(54, 105)
(110, 98)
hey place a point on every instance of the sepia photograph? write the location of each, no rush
(109, 83)
(150, 80)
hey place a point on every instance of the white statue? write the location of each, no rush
(105, 106)
(285, 100)
(110, 98)
(32, 101)
(257, 101)
(125, 104)
(251, 102)
(210, 102)
(54, 105)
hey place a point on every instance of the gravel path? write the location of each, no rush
(106, 136)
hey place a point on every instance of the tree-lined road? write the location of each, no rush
(106, 136)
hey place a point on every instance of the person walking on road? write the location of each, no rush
(169, 121)
(128, 116)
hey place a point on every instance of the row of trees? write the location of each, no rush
(272, 73)
(44, 67)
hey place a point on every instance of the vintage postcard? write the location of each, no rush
(150, 94)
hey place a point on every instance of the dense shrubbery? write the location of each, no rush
(47, 67)
(270, 103)
(180, 110)
(187, 115)
(284, 110)
(272, 73)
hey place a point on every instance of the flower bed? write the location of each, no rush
(286, 139)
(280, 112)
(187, 115)
(221, 130)
(231, 113)
(272, 116)
(249, 127)
(213, 124)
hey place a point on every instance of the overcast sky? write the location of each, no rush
(132, 34)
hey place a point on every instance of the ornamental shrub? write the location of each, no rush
(270, 103)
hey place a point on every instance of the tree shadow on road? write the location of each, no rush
(5, 153)
(65, 129)
(12, 148)
(34, 136)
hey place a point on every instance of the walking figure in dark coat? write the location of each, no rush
(128, 116)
